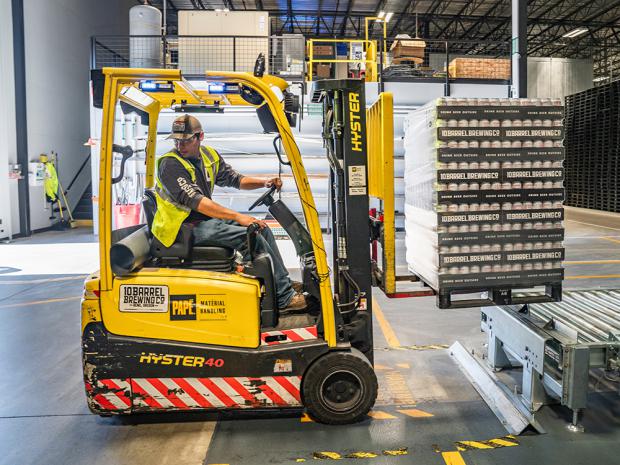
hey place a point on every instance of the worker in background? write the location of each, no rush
(186, 177)
(50, 183)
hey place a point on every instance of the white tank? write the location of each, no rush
(145, 52)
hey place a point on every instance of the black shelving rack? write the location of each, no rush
(592, 164)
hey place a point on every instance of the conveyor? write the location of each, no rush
(555, 345)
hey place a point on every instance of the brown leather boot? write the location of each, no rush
(297, 303)
(298, 287)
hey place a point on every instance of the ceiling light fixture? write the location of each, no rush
(388, 17)
(576, 32)
(381, 14)
(600, 78)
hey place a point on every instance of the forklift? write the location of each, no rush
(197, 328)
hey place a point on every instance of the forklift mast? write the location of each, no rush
(344, 136)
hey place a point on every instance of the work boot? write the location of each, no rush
(297, 304)
(298, 287)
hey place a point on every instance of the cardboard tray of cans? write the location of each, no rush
(483, 198)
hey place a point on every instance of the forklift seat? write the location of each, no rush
(218, 258)
(213, 259)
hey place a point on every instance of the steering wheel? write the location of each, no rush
(264, 199)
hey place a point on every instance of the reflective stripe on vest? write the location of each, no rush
(170, 215)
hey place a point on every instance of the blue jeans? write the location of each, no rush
(228, 233)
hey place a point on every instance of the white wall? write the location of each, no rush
(8, 150)
(57, 42)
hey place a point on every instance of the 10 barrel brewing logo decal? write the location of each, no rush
(143, 298)
(204, 307)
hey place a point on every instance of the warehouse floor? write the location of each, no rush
(425, 405)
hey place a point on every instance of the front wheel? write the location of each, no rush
(339, 388)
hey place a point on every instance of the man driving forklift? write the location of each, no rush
(186, 177)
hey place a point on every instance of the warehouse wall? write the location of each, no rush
(8, 149)
(557, 77)
(57, 42)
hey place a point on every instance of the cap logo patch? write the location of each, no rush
(178, 126)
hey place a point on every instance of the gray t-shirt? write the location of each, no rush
(178, 182)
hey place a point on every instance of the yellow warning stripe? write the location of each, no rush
(453, 458)
(505, 441)
(415, 413)
(361, 455)
(330, 455)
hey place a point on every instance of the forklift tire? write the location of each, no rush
(339, 388)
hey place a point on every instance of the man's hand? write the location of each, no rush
(274, 182)
(247, 220)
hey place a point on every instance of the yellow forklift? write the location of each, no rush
(186, 327)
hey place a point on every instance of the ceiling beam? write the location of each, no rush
(588, 19)
(346, 16)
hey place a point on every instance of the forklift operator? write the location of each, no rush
(185, 180)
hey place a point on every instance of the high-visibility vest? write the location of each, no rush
(50, 183)
(170, 214)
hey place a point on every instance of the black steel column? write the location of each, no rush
(519, 48)
(21, 120)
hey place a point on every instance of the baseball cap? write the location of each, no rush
(184, 127)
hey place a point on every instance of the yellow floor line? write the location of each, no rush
(611, 240)
(453, 458)
(39, 302)
(378, 366)
(415, 413)
(593, 276)
(46, 280)
(595, 225)
(386, 329)
(591, 262)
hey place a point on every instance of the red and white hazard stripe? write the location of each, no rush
(210, 393)
(292, 335)
(110, 394)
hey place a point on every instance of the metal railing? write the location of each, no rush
(441, 59)
(325, 52)
(327, 58)
(284, 55)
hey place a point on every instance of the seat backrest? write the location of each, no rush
(149, 203)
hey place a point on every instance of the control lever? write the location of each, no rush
(253, 232)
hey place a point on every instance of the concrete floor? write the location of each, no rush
(425, 405)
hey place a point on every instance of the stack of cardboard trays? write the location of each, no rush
(484, 194)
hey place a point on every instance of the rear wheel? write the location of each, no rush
(339, 388)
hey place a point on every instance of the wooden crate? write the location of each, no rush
(480, 68)
(408, 49)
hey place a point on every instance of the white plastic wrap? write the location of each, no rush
(484, 192)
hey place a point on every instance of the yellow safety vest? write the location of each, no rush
(50, 183)
(170, 215)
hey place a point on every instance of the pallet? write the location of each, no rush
(499, 296)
